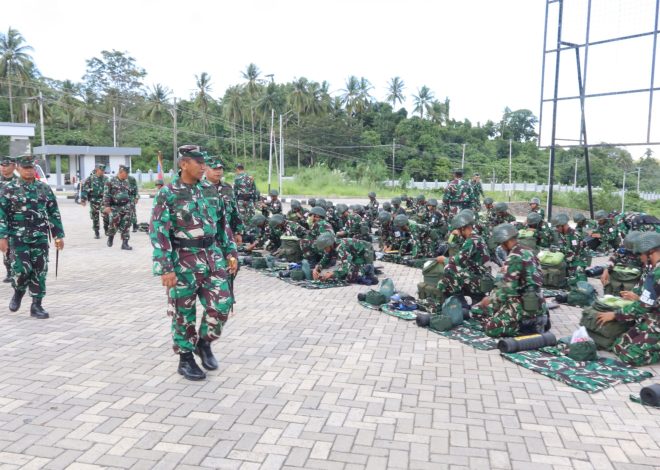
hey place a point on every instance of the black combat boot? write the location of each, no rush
(96, 234)
(203, 350)
(189, 368)
(15, 302)
(36, 310)
(8, 278)
(124, 245)
(110, 240)
(135, 227)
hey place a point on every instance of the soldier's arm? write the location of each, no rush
(54, 217)
(159, 234)
(84, 190)
(510, 286)
(224, 234)
(4, 213)
(107, 196)
(344, 264)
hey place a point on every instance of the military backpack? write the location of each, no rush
(622, 278)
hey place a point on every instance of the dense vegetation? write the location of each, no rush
(351, 132)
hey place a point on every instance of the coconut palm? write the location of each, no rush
(395, 91)
(157, 103)
(364, 97)
(253, 85)
(15, 62)
(233, 109)
(423, 101)
(203, 98)
(351, 94)
(69, 101)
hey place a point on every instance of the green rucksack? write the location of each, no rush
(290, 249)
(554, 269)
(297, 275)
(527, 239)
(605, 335)
(432, 272)
(429, 291)
(583, 351)
(582, 295)
(622, 278)
(374, 297)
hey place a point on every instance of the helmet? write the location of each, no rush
(421, 197)
(560, 219)
(504, 232)
(329, 204)
(384, 217)
(257, 220)
(462, 219)
(488, 200)
(400, 221)
(648, 241)
(325, 240)
(276, 220)
(312, 202)
(341, 208)
(358, 209)
(432, 202)
(501, 207)
(535, 200)
(273, 192)
(600, 215)
(396, 201)
(404, 196)
(631, 239)
(372, 194)
(317, 210)
(295, 204)
(534, 218)
(321, 203)
(387, 206)
(579, 217)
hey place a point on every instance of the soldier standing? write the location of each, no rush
(28, 216)
(245, 191)
(457, 195)
(477, 191)
(214, 173)
(118, 196)
(134, 187)
(92, 191)
(193, 254)
(7, 168)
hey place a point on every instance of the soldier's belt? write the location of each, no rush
(120, 204)
(244, 197)
(205, 242)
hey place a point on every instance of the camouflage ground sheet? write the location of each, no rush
(307, 380)
(588, 376)
(470, 333)
(403, 315)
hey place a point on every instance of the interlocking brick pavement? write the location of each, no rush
(308, 379)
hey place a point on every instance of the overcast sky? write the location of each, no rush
(482, 54)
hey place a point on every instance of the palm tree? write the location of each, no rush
(423, 101)
(202, 98)
(251, 74)
(395, 91)
(364, 98)
(233, 109)
(351, 95)
(157, 102)
(15, 62)
(68, 98)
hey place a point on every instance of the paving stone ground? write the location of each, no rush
(308, 379)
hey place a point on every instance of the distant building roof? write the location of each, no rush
(85, 150)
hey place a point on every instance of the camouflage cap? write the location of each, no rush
(325, 240)
(257, 220)
(504, 232)
(7, 161)
(99, 166)
(579, 217)
(501, 207)
(192, 151)
(560, 219)
(534, 218)
(320, 211)
(273, 192)
(600, 215)
(649, 241)
(400, 221)
(124, 168)
(214, 162)
(276, 220)
(25, 161)
(488, 200)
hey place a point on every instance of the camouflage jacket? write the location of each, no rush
(522, 270)
(273, 207)
(499, 219)
(297, 217)
(640, 308)
(245, 188)
(318, 228)
(29, 212)
(457, 196)
(132, 183)
(586, 228)
(231, 209)
(540, 211)
(289, 229)
(608, 235)
(92, 188)
(622, 257)
(4, 180)
(118, 193)
(181, 211)
(372, 207)
(472, 256)
(545, 236)
(570, 245)
(347, 255)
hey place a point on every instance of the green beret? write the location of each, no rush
(25, 160)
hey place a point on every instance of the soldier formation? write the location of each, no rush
(199, 223)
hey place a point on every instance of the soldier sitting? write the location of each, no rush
(296, 213)
(280, 227)
(571, 246)
(258, 236)
(543, 236)
(405, 237)
(535, 206)
(624, 257)
(605, 231)
(502, 215)
(345, 259)
(490, 211)
(517, 305)
(274, 206)
(318, 226)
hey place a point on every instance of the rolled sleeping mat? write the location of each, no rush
(423, 319)
(526, 343)
(651, 395)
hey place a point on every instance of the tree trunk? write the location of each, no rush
(243, 137)
(11, 99)
(254, 144)
(261, 143)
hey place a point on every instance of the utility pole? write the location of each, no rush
(175, 145)
(463, 158)
(638, 173)
(575, 176)
(25, 112)
(510, 163)
(623, 192)
(393, 149)
(270, 148)
(114, 127)
(281, 156)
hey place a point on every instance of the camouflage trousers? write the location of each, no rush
(133, 215)
(7, 261)
(120, 221)
(29, 267)
(212, 288)
(575, 272)
(500, 319)
(96, 212)
(639, 346)
(457, 281)
(245, 209)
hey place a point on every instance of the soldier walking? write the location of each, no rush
(7, 168)
(457, 195)
(92, 191)
(28, 217)
(193, 254)
(118, 196)
(134, 187)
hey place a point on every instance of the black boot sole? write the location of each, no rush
(39, 316)
(194, 378)
(204, 364)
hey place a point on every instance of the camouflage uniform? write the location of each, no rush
(505, 314)
(231, 209)
(272, 207)
(457, 196)
(476, 193)
(245, 191)
(464, 271)
(307, 243)
(134, 190)
(640, 345)
(406, 241)
(118, 195)
(29, 215)
(92, 191)
(571, 246)
(372, 208)
(609, 236)
(4, 181)
(191, 239)
(499, 218)
(349, 259)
